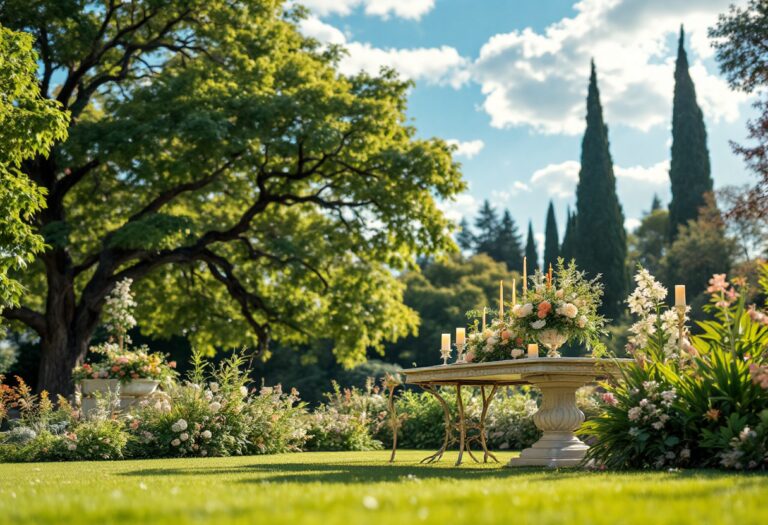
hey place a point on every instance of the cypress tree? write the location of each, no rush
(508, 247)
(465, 238)
(530, 251)
(689, 169)
(656, 203)
(486, 229)
(566, 248)
(600, 243)
(551, 239)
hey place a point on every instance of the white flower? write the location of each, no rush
(568, 310)
(206, 434)
(634, 413)
(521, 311)
(658, 425)
(182, 425)
(184, 436)
(582, 321)
(516, 352)
(175, 427)
(214, 387)
(175, 442)
(208, 395)
(243, 391)
(215, 406)
(538, 325)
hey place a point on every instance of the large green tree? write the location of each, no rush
(689, 169)
(219, 159)
(486, 229)
(739, 38)
(29, 125)
(600, 245)
(551, 238)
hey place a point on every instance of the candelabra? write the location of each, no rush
(445, 353)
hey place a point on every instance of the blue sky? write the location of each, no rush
(507, 81)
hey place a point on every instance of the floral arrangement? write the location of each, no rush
(120, 361)
(498, 341)
(125, 364)
(556, 309)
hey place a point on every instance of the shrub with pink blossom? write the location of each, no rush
(696, 401)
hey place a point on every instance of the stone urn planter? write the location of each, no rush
(130, 392)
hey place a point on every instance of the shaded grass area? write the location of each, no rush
(362, 488)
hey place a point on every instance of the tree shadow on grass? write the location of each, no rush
(350, 473)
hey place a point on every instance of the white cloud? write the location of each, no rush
(558, 180)
(540, 79)
(466, 149)
(434, 65)
(501, 197)
(408, 9)
(462, 205)
(658, 174)
(631, 224)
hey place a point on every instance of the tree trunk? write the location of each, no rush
(58, 357)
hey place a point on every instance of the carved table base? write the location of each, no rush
(557, 417)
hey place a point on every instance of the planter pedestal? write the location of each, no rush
(129, 393)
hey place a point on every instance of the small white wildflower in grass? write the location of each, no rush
(370, 503)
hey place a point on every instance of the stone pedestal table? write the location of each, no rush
(556, 378)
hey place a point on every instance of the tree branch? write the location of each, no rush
(34, 320)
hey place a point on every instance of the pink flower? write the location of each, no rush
(543, 310)
(609, 399)
(717, 284)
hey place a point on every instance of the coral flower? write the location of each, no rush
(712, 414)
(544, 308)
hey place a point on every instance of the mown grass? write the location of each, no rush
(362, 488)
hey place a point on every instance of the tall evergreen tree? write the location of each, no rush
(566, 248)
(486, 229)
(600, 243)
(551, 238)
(689, 169)
(508, 243)
(656, 203)
(530, 250)
(465, 238)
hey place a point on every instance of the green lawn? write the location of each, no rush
(361, 488)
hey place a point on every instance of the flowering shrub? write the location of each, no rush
(510, 420)
(45, 432)
(349, 419)
(497, 342)
(699, 401)
(213, 413)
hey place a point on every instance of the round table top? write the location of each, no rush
(514, 371)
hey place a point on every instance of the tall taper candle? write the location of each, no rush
(484, 308)
(533, 350)
(460, 335)
(501, 299)
(679, 295)
(525, 275)
(514, 292)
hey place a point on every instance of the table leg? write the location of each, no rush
(481, 428)
(437, 456)
(558, 417)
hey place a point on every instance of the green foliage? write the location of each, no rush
(423, 424)
(648, 243)
(497, 238)
(600, 244)
(702, 404)
(689, 169)
(700, 250)
(567, 249)
(29, 125)
(221, 161)
(551, 239)
(441, 292)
